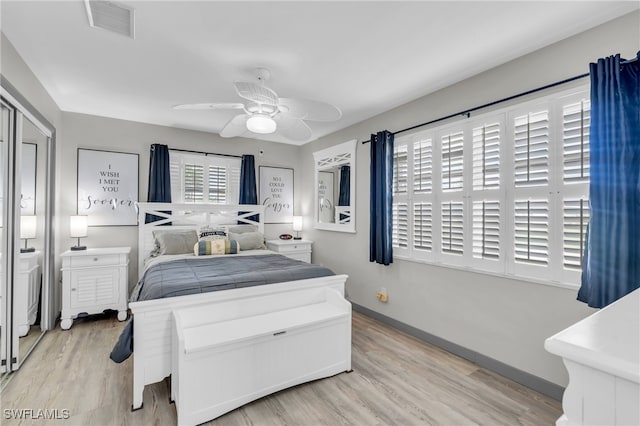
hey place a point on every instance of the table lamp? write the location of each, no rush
(297, 227)
(27, 231)
(78, 227)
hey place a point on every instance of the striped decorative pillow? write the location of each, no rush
(210, 247)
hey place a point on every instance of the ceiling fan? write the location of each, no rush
(266, 112)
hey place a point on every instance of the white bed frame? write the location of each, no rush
(153, 319)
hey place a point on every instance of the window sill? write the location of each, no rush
(538, 281)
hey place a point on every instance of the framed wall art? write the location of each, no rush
(276, 194)
(108, 187)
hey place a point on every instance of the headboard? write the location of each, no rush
(190, 216)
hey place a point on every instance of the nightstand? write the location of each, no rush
(94, 280)
(295, 249)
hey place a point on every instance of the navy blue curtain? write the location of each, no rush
(344, 198)
(248, 191)
(380, 226)
(159, 178)
(611, 264)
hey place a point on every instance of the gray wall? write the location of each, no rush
(16, 71)
(88, 131)
(505, 319)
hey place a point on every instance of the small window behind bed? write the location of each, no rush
(199, 178)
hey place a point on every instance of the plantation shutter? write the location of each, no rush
(532, 231)
(422, 167)
(575, 220)
(504, 192)
(193, 183)
(452, 161)
(531, 149)
(452, 227)
(177, 194)
(400, 170)
(197, 178)
(400, 207)
(422, 226)
(422, 195)
(400, 229)
(576, 119)
(233, 182)
(486, 156)
(486, 195)
(486, 229)
(217, 185)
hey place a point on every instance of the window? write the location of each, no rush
(199, 178)
(505, 193)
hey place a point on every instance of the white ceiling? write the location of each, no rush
(364, 57)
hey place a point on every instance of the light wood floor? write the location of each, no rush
(396, 380)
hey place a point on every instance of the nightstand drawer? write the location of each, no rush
(305, 257)
(95, 260)
(295, 249)
(289, 248)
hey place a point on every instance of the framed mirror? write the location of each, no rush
(335, 188)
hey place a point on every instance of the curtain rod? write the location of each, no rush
(205, 153)
(468, 112)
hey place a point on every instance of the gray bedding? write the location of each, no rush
(203, 274)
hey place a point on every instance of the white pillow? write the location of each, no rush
(249, 240)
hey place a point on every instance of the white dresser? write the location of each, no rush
(94, 280)
(602, 356)
(295, 249)
(27, 291)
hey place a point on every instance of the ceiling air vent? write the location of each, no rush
(111, 16)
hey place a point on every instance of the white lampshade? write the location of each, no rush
(297, 223)
(261, 123)
(27, 227)
(78, 226)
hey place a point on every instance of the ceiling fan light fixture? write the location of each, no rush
(261, 123)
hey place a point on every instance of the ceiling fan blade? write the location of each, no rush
(227, 105)
(293, 128)
(235, 127)
(256, 93)
(306, 109)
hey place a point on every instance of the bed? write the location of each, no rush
(153, 319)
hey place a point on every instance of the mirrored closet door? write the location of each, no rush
(27, 244)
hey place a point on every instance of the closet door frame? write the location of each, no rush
(6, 330)
(24, 110)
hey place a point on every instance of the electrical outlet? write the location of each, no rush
(382, 295)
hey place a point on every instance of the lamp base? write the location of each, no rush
(27, 250)
(78, 248)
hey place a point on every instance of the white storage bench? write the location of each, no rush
(227, 354)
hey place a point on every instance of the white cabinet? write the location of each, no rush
(602, 356)
(94, 280)
(27, 291)
(295, 249)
